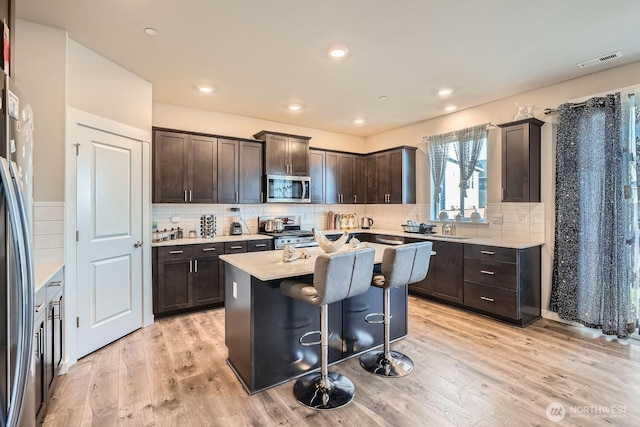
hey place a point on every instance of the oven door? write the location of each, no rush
(288, 189)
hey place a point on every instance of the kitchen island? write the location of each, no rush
(263, 327)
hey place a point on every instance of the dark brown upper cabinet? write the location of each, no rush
(521, 160)
(344, 178)
(285, 154)
(239, 171)
(184, 168)
(317, 167)
(391, 176)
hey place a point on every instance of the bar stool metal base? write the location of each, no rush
(398, 365)
(337, 392)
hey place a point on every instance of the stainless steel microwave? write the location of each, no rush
(288, 189)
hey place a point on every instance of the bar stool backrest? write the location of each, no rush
(405, 264)
(342, 275)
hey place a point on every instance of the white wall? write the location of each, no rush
(39, 71)
(197, 120)
(502, 111)
(98, 86)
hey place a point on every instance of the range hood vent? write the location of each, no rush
(603, 58)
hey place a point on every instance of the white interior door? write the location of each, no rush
(109, 221)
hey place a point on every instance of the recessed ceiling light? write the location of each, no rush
(338, 51)
(450, 107)
(294, 107)
(382, 97)
(359, 120)
(151, 31)
(205, 88)
(445, 91)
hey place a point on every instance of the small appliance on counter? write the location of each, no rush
(366, 222)
(235, 229)
(422, 228)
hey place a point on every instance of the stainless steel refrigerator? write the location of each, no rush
(16, 265)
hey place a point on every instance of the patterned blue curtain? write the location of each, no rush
(593, 244)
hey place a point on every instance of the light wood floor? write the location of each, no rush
(470, 371)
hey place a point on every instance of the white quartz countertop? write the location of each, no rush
(44, 272)
(513, 244)
(269, 265)
(217, 239)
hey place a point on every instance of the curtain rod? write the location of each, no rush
(489, 125)
(548, 111)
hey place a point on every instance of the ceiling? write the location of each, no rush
(261, 55)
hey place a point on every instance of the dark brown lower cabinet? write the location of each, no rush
(185, 277)
(445, 276)
(188, 277)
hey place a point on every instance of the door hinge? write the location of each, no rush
(77, 145)
(77, 235)
(77, 322)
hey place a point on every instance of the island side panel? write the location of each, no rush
(278, 323)
(237, 328)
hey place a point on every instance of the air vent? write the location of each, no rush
(603, 58)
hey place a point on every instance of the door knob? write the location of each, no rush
(137, 244)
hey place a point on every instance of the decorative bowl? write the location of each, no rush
(327, 245)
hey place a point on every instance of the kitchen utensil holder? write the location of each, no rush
(207, 226)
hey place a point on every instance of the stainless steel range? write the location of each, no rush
(291, 233)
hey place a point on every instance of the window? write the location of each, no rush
(459, 174)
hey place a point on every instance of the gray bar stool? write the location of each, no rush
(336, 277)
(401, 266)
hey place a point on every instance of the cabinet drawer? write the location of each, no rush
(492, 253)
(501, 274)
(259, 245)
(208, 251)
(502, 302)
(174, 252)
(235, 247)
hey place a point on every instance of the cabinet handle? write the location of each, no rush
(261, 197)
(39, 307)
(55, 284)
(355, 199)
(196, 263)
(175, 252)
(490, 273)
(41, 342)
(190, 266)
(185, 195)
(487, 299)
(55, 302)
(236, 197)
(57, 317)
(235, 247)
(261, 245)
(487, 252)
(209, 249)
(190, 195)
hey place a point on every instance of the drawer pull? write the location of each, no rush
(208, 249)
(176, 252)
(261, 245)
(39, 307)
(487, 252)
(487, 299)
(55, 284)
(235, 247)
(491, 273)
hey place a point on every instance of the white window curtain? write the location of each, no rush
(467, 144)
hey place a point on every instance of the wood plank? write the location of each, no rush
(470, 370)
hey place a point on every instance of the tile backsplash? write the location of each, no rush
(48, 232)
(520, 221)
